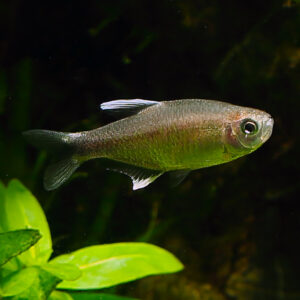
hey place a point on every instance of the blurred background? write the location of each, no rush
(235, 227)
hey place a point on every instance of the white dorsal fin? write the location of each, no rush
(128, 107)
(140, 177)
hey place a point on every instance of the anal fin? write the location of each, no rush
(140, 177)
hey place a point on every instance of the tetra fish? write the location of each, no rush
(158, 137)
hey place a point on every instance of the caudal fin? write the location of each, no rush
(57, 173)
(59, 144)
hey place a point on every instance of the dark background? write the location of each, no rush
(235, 226)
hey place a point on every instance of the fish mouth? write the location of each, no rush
(268, 129)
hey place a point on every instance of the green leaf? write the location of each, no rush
(2, 210)
(17, 282)
(19, 209)
(63, 271)
(41, 287)
(13, 243)
(98, 296)
(107, 265)
(11, 266)
(57, 295)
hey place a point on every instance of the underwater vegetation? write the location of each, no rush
(27, 272)
(234, 227)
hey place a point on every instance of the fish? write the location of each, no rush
(155, 137)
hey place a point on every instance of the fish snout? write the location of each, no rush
(267, 129)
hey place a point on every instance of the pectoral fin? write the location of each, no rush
(127, 107)
(178, 176)
(140, 177)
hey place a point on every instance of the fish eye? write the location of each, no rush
(249, 127)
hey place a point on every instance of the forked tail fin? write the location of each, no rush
(60, 144)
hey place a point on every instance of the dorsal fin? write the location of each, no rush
(140, 177)
(127, 107)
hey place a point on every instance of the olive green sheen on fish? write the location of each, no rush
(157, 137)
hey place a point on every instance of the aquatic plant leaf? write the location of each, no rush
(13, 243)
(40, 288)
(20, 210)
(63, 271)
(58, 295)
(98, 296)
(18, 282)
(2, 202)
(107, 265)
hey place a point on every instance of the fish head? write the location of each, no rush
(247, 130)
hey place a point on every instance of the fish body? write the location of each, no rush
(158, 137)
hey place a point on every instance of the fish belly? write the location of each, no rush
(167, 148)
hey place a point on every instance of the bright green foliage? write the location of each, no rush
(94, 296)
(13, 243)
(2, 200)
(40, 288)
(19, 209)
(63, 271)
(25, 272)
(28, 283)
(57, 295)
(18, 281)
(108, 265)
